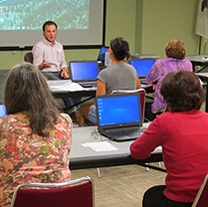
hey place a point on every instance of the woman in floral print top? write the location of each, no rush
(35, 138)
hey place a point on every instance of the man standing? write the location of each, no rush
(48, 55)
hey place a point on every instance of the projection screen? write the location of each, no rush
(80, 22)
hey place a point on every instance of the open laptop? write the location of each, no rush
(101, 57)
(119, 116)
(84, 73)
(2, 110)
(143, 67)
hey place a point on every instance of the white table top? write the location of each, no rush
(198, 58)
(86, 146)
(202, 74)
(66, 85)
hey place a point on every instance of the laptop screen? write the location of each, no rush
(142, 66)
(83, 70)
(2, 110)
(119, 109)
(101, 55)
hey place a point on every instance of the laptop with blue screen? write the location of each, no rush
(84, 72)
(2, 110)
(143, 67)
(119, 116)
(101, 55)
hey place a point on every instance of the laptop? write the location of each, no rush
(143, 67)
(119, 116)
(84, 73)
(101, 57)
(2, 110)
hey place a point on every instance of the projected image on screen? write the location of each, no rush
(80, 22)
(27, 14)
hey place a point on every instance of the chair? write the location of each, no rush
(73, 193)
(28, 57)
(201, 199)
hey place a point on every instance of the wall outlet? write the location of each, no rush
(14, 53)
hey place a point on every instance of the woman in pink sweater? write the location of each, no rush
(182, 132)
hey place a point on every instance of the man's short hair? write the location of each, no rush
(49, 23)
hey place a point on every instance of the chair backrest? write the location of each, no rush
(142, 95)
(28, 57)
(73, 193)
(201, 199)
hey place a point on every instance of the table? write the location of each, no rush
(198, 60)
(204, 77)
(62, 89)
(82, 157)
(66, 89)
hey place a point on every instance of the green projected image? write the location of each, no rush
(31, 14)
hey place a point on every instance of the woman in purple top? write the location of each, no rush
(175, 52)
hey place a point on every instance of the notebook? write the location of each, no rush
(2, 110)
(117, 114)
(84, 72)
(143, 67)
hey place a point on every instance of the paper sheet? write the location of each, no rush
(100, 146)
(70, 86)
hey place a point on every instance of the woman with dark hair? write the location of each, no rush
(35, 138)
(118, 76)
(182, 133)
(175, 60)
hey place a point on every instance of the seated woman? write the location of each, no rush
(118, 76)
(183, 135)
(175, 60)
(35, 137)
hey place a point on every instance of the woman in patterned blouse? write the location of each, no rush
(35, 138)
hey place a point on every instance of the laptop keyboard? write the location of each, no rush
(124, 134)
(86, 85)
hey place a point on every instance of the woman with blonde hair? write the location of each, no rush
(174, 61)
